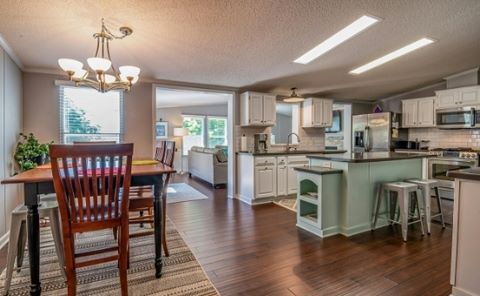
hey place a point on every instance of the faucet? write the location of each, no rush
(288, 141)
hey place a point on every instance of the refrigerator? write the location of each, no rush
(376, 132)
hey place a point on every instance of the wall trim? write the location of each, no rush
(411, 91)
(462, 73)
(6, 47)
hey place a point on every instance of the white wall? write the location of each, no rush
(174, 118)
(11, 122)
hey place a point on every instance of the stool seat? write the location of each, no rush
(422, 181)
(396, 186)
(43, 208)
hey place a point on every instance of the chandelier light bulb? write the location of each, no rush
(99, 64)
(70, 65)
(80, 74)
(131, 71)
(109, 78)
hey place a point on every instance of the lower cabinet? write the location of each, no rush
(262, 178)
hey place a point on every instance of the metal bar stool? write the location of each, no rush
(426, 186)
(18, 236)
(406, 195)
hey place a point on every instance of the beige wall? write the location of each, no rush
(41, 113)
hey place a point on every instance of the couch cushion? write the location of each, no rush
(221, 157)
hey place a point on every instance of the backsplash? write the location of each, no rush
(310, 138)
(448, 138)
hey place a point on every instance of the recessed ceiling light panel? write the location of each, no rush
(341, 36)
(393, 55)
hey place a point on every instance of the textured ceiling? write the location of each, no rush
(252, 43)
(177, 98)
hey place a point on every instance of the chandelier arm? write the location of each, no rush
(113, 66)
(88, 83)
(98, 46)
(119, 85)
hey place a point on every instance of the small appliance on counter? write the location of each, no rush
(260, 142)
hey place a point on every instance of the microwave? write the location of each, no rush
(463, 117)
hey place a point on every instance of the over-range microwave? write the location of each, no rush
(462, 117)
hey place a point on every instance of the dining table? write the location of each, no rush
(39, 181)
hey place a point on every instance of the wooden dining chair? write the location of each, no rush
(92, 186)
(141, 201)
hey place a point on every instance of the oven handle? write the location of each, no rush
(452, 161)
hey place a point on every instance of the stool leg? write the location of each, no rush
(420, 216)
(378, 202)
(57, 238)
(403, 201)
(427, 199)
(439, 203)
(15, 226)
(22, 241)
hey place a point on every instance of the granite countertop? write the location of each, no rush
(468, 174)
(368, 156)
(293, 152)
(318, 170)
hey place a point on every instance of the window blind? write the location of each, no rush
(89, 115)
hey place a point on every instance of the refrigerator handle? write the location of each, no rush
(366, 138)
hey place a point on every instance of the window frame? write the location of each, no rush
(226, 128)
(61, 100)
(204, 130)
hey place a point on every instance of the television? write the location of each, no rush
(336, 122)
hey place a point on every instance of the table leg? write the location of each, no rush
(33, 231)
(158, 195)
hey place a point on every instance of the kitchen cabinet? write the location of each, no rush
(282, 176)
(317, 112)
(294, 162)
(418, 112)
(265, 177)
(458, 97)
(257, 109)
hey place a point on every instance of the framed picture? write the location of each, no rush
(161, 129)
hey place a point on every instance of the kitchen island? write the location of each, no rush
(465, 264)
(361, 175)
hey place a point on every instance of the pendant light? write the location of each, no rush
(294, 98)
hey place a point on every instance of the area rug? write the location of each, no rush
(288, 203)
(180, 192)
(181, 273)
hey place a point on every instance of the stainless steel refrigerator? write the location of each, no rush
(376, 132)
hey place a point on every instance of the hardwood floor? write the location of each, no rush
(259, 251)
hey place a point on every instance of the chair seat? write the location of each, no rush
(400, 186)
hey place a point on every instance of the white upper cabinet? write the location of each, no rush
(317, 112)
(418, 112)
(257, 109)
(458, 97)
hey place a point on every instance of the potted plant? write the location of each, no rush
(29, 152)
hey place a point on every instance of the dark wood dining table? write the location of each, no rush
(40, 181)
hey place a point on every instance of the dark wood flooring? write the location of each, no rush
(259, 251)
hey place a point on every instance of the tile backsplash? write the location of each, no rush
(310, 138)
(446, 138)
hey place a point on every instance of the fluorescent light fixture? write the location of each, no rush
(341, 36)
(393, 55)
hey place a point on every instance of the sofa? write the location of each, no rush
(209, 164)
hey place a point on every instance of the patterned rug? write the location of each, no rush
(181, 273)
(180, 192)
(288, 203)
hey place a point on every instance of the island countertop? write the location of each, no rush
(318, 170)
(467, 174)
(367, 156)
(293, 152)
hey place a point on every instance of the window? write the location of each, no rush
(89, 115)
(196, 128)
(217, 131)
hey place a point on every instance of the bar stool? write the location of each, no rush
(18, 236)
(425, 186)
(404, 193)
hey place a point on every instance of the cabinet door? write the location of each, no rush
(317, 116)
(265, 181)
(282, 179)
(327, 112)
(426, 112)
(468, 96)
(409, 113)
(269, 109)
(447, 99)
(255, 109)
(292, 178)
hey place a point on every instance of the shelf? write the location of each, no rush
(310, 219)
(309, 199)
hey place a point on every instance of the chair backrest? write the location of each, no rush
(160, 151)
(92, 182)
(93, 142)
(169, 153)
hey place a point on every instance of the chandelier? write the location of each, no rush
(101, 78)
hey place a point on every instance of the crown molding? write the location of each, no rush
(6, 47)
(474, 70)
(411, 91)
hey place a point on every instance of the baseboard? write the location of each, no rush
(457, 291)
(4, 239)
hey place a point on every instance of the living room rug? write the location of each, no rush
(181, 273)
(180, 192)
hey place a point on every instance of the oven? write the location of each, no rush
(464, 117)
(439, 166)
